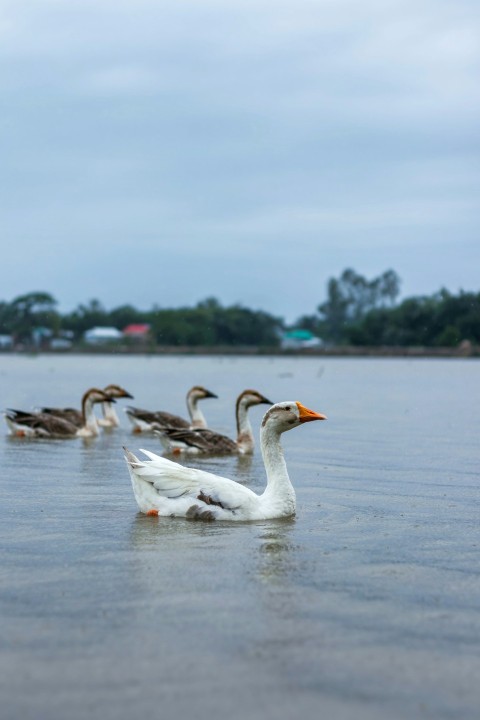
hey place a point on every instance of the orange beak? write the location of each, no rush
(307, 415)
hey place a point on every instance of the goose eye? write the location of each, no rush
(288, 407)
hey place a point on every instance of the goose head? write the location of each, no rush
(287, 415)
(200, 393)
(115, 391)
(248, 398)
(95, 395)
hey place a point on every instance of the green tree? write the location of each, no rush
(334, 312)
(33, 310)
(125, 315)
(209, 323)
(85, 317)
(350, 298)
(441, 319)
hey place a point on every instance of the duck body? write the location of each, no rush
(48, 425)
(147, 420)
(70, 415)
(162, 487)
(199, 441)
(41, 425)
(196, 441)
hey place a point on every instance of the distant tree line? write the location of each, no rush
(365, 312)
(207, 324)
(357, 311)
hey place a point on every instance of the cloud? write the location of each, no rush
(219, 133)
(122, 79)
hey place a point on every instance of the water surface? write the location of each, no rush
(365, 605)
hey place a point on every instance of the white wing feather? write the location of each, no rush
(172, 480)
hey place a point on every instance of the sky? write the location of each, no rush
(161, 152)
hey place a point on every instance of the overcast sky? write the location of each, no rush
(165, 151)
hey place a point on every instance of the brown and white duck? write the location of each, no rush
(147, 420)
(207, 442)
(46, 425)
(110, 417)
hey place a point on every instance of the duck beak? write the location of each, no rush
(307, 415)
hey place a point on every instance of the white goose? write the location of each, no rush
(162, 487)
(45, 425)
(207, 442)
(147, 420)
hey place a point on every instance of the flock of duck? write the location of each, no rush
(166, 488)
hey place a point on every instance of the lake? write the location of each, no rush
(366, 605)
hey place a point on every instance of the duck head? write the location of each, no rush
(200, 393)
(116, 391)
(95, 395)
(289, 414)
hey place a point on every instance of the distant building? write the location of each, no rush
(6, 342)
(41, 336)
(137, 331)
(299, 339)
(63, 340)
(102, 335)
(60, 343)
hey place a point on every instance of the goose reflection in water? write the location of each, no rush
(277, 552)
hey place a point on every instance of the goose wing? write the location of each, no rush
(174, 481)
(18, 415)
(165, 419)
(218, 443)
(43, 424)
(72, 415)
(159, 418)
(204, 440)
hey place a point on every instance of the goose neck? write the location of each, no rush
(279, 487)
(89, 419)
(196, 416)
(245, 439)
(109, 413)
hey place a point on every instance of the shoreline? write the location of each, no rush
(463, 351)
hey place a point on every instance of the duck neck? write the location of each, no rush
(279, 488)
(196, 416)
(109, 413)
(245, 439)
(89, 420)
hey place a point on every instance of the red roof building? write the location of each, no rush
(139, 330)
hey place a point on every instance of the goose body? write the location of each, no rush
(71, 415)
(110, 417)
(47, 425)
(207, 442)
(147, 420)
(162, 487)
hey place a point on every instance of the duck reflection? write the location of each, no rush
(170, 533)
(277, 551)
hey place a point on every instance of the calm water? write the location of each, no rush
(366, 605)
